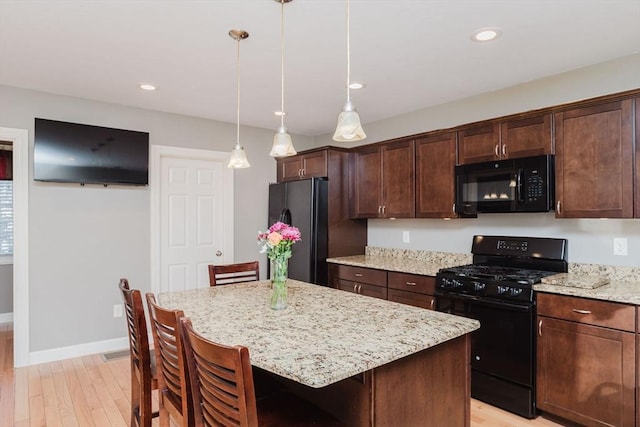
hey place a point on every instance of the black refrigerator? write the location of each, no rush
(304, 204)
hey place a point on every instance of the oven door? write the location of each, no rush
(502, 351)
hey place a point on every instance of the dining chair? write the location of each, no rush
(223, 392)
(234, 273)
(175, 401)
(143, 364)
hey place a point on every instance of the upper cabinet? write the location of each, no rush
(384, 180)
(637, 195)
(435, 176)
(594, 169)
(302, 166)
(522, 136)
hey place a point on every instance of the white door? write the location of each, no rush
(195, 226)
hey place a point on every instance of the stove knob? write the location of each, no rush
(502, 290)
(514, 292)
(478, 286)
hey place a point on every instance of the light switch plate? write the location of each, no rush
(117, 310)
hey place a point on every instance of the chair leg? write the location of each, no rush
(135, 397)
(145, 406)
(164, 414)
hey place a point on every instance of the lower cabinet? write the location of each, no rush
(410, 289)
(586, 360)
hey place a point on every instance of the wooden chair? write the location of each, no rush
(143, 363)
(174, 397)
(234, 273)
(223, 390)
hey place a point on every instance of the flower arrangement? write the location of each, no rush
(277, 242)
(278, 239)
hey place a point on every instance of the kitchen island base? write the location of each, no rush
(428, 388)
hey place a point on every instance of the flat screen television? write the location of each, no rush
(85, 154)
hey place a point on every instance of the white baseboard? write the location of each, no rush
(6, 317)
(54, 354)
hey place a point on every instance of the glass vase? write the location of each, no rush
(279, 270)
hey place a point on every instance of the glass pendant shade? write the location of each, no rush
(349, 127)
(282, 144)
(238, 159)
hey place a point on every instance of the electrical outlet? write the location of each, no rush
(117, 310)
(405, 237)
(620, 246)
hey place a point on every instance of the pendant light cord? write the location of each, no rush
(348, 55)
(282, 63)
(238, 96)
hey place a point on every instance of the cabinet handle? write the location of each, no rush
(576, 310)
(299, 173)
(410, 283)
(359, 289)
(355, 286)
(540, 327)
(504, 151)
(433, 302)
(358, 274)
(497, 150)
(384, 209)
(453, 208)
(558, 211)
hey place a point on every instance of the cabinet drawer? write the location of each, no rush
(412, 298)
(412, 283)
(362, 288)
(583, 310)
(362, 275)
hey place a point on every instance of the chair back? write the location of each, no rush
(234, 273)
(170, 360)
(221, 381)
(137, 327)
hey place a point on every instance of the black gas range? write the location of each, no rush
(497, 290)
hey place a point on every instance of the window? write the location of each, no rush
(6, 221)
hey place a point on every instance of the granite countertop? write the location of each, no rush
(325, 335)
(623, 291)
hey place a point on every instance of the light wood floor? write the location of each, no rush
(87, 391)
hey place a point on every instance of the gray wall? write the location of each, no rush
(590, 241)
(83, 239)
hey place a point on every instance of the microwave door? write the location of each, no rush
(489, 191)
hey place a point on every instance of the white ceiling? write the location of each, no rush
(412, 54)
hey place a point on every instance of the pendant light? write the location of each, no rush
(282, 144)
(238, 157)
(349, 127)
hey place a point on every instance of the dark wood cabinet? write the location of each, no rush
(307, 165)
(412, 289)
(637, 176)
(520, 136)
(586, 356)
(384, 180)
(594, 161)
(435, 176)
(359, 280)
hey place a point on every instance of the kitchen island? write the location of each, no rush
(370, 362)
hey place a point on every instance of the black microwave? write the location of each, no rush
(513, 185)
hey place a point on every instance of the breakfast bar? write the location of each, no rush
(369, 362)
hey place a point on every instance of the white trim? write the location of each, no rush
(6, 317)
(20, 140)
(157, 153)
(79, 350)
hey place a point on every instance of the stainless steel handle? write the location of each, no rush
(540, 327)
(453, 208)
(359, 289)
(379, 210)
(355, 286)
(577, 310)
(504, 151)
(497, 150)
(304, 171)
(218, 253)
(384, 209)
(410, 283)
(558, 211)
(433, 302)
(358, 275)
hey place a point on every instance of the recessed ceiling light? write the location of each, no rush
(356, 85)
(146, 86)
(486, 34)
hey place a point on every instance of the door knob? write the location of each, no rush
(218, 253)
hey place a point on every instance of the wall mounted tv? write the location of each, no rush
(72, 152)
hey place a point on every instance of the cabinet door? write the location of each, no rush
(594, 176)
(479, 144)
(526, 137)
(289, 169)
(435, 176)
(372, 290)
(398, 180)
(586, 373)
(637, 195)
(412, 298)
(314, 164)
(367, 179)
